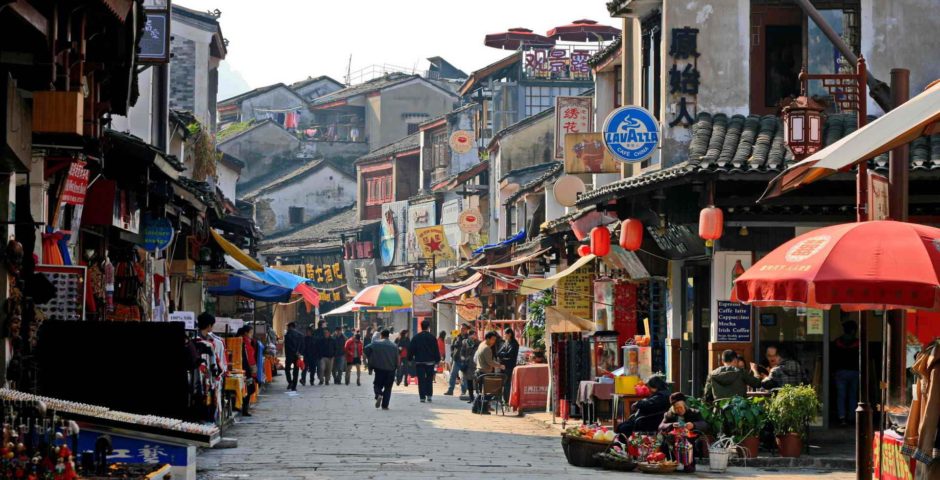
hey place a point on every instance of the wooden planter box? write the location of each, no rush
(58, 112)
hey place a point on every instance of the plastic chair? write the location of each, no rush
(490, 388)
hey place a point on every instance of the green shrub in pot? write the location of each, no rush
(792, 407)
(741, 417)
(709, 413)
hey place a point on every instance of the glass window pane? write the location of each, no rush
(824, 57)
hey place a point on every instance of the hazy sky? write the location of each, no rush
(287, 40)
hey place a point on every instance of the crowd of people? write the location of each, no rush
(331, 356)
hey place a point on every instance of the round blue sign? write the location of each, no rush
(158, 233)
(631, 134)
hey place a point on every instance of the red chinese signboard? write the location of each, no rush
(572, 115)
(76, 184)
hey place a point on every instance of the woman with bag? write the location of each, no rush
(250, 365)
(353, 351)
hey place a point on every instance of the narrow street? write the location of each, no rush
(335, 432)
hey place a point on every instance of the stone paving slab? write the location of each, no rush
(335, 432)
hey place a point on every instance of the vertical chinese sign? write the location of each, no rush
(572, 115)
(684, 75)
(574, 293)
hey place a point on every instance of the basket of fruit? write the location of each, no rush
(582, 443)
(664, 466)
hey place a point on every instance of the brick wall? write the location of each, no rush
(183, 74)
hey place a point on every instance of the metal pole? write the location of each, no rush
(863, 426)
(898, 193)
(879, 91)
(863, 447)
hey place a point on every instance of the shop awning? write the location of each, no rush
(348, 307)
(236, 253)
(514, 262)
(426, 288)
(916, 117)
(532, 286)
(562, 321)
(469, 284)
(246, 287)
(518, 237)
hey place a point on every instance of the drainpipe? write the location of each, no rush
(879, 90)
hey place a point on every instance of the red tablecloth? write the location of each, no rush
(529, 388)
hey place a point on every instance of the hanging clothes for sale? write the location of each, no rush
(921, 441)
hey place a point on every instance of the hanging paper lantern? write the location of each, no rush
(584, 250)
(600, 241)
(631, 234)
(710, 224)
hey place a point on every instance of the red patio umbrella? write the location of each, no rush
(516, 37)
(875, 265)
(583, 30)
(861, 266)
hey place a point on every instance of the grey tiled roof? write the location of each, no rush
(552, 171)
(316, 234)
(287, 177)
(379, 83)
(604, 53)
(405, 144)
(754, 144)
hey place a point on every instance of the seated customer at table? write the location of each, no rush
(785, 370)
(648, 413)
(728, 380)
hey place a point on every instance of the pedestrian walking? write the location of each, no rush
(384, 357)
(404, 369)
(845, 363)
(326, 348)
(339, 355)
(468, 350)
(311, 359)
(425, 354)
(458, 361)
(442, 348)
(293, 346)
(250, 363)
(353, 350)
(508, 355)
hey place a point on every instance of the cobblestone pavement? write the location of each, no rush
(334, 431)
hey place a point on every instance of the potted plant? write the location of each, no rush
(742, 419)
(710, 415)
(790, 410)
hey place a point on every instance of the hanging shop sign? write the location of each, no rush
(419, 216)
(878, 199)
(434, 243)
(470, 220)
(631, 134)
(394, 227)
(586, 153)
(158, 234)
(469, 308)
(603, 305)
(574, 294)
(734, 322)
(684, 74)
(76, 184)
(154, 46)
(558, 63)
(421, 303)
(572, 115)
(461, 141)
(360, 273)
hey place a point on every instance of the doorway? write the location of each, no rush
(696, 326)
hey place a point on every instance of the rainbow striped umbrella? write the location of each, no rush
(384, 295)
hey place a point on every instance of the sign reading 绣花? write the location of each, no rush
(631, 134)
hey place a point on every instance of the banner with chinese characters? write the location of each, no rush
(684, 75)
(558, 63)
(434, 244)
(572, 115)
(586, 153)
(419, 216)
(76, 184)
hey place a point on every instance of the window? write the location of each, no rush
(652, 34)
(412, 128)
(541, 98)
(379, 190)
(783, 40)
(295, 215)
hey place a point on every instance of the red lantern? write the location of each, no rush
(710, 224)
(631, 234)
(584, 250)
(600, 241)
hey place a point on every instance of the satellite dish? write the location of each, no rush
(567, 190)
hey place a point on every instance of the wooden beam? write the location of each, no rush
(30, 15)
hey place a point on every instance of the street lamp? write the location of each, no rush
(803, 125)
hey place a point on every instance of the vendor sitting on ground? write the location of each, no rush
(648, 413)
(681, 416)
